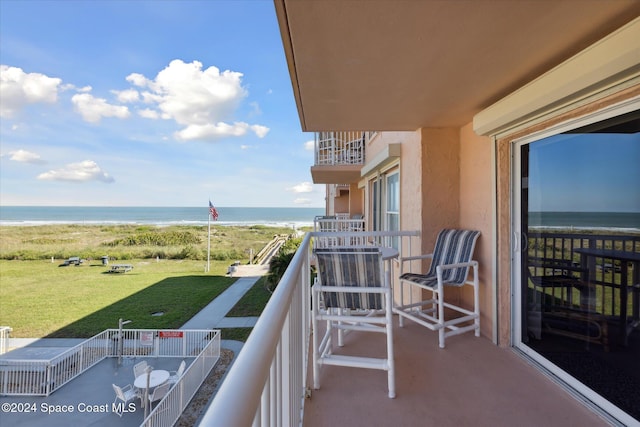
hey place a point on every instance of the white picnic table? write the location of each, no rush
(120, 268)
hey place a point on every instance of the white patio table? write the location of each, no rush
(148, 381)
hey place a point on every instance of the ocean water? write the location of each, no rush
(586, 220)
(280, 217)
(42, 215)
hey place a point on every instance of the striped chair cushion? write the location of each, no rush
(452, 247)
(351, 267)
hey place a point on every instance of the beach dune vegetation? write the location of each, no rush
(125, 242)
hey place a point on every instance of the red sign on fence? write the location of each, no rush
(171, 334)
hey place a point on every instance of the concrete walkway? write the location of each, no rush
(213, 316)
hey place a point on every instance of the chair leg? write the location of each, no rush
(116, 406)
(441, 328)
(476, 300)
(316, 355)
(401, 318)
(391, 376)
(340, 312)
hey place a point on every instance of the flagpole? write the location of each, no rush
(208, 240)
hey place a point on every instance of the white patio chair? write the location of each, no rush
(175, 375)
(450, 262)
(125, 394)
(351, 279)
(158, 393)
(139, 368)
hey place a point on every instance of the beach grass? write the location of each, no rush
(125, 242)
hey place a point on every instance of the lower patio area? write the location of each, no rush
(85, 400)
(470, 382)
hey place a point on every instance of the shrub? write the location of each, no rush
(280, 262)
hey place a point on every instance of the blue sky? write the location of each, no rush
(149, 103)
(585, 173)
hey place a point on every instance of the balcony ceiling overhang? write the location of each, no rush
(403, 65)
(339, 174)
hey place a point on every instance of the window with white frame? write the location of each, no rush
(385, 203)
(392, 212)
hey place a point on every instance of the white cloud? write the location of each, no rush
(93, 109)
(218, 130)
(309, 145)
(129, 95)
(303, 187)
(302, 201)
(24, 156)
(202, 100)
(84, 171)
(17, 89)
(137, 79)
(149, 114)
(261, 131)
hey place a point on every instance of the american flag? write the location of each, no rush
(213, 211)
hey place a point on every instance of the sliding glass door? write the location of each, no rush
(577, 256)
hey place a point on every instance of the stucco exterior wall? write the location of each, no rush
(341, 203)
(356, 200)
(440, 182)
(476, 214)
(410, 184)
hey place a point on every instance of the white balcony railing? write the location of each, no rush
(340, 148)
(267, 384)
(333, 224)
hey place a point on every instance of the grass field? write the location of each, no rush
(38, 298)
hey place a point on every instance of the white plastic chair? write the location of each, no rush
(175, 375)
(351, 280)
(125, 394)
(450, 263)
(139, 368)
(159, 392)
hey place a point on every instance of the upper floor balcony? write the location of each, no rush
(471, 382)
(339, 156)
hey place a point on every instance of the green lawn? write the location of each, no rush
(41, 299)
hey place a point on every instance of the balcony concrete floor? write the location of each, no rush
(471, 382)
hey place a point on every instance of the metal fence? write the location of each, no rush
(336, 224)
(341, 148)
(169, 409)
(605, 275)
(42, 377)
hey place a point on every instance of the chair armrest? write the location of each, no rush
(457, 265)
(354, 289)
(412, 258)
(402, 260)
